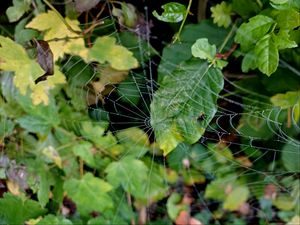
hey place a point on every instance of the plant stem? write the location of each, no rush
(183, 21)
(227, 37)
(61, 18)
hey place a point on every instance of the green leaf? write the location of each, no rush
(267, 55)
(84, 149)
(249, 33)
(14, 210)
(236, 198)
(288, 100)
(288, 19)
(203, 49)
(175, 112)
(174, 207)
(89, 193)
(15, 12)
(173, 12)
(34, 124)
(14, 58)
(221, 14)
(290, 156)
(282, 40)
(252, 8)
(51, 219)
(105, 49)
(130, 173)
(279, 1)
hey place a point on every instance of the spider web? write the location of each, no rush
(235, 103)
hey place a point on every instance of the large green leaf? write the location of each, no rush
(249, 33)
(267, 55)
(89, 193)
(14, 210)
(185, 104)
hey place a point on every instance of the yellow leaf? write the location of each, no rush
(13, 187)
(14, 58)
(63, 41)
(53, 155)
(105, 50)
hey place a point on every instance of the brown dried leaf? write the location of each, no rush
(44, 59)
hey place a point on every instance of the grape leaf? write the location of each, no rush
(14, 58)
(267, 55)
(15, 12)
(236, 198)
(173, 12)
(105, 49)
(57, 31)
(249, 33)
(221, 14)
(14, 210)
(175, 112)
(203, 50)
(89, 193)
(130, 173)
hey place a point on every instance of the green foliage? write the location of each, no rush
(14, 210)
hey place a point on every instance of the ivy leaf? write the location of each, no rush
(15, 12)
(175, 112)
(54, 28)
(267, 55)
(173, 12)
(14, 210)
(236, 198)
(203, 49)
(130, 173)
(14, 58)
(221, 14)
(89, 193)
(249, 33)
(287, 100)
(105, 49)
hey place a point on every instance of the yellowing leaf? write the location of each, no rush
(55, 29)
(53, 155)
(105, 49)
(221, 14)
(14, 58)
